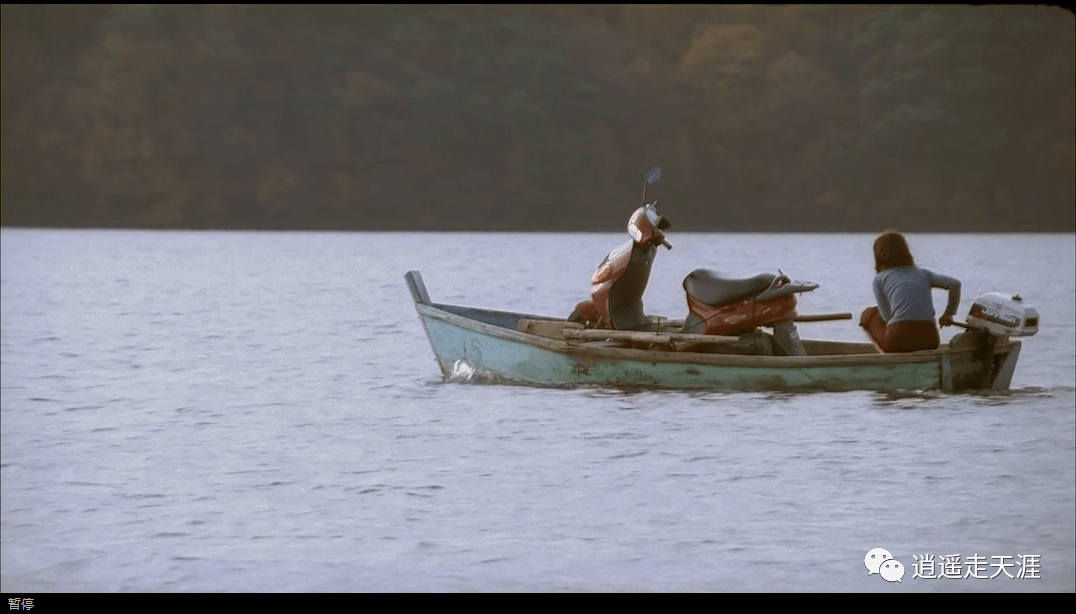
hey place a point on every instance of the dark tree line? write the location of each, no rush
(541, 117)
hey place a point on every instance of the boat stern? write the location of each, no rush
(979, 361)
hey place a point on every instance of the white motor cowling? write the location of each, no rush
(1005, 315)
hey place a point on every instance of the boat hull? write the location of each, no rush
(485, 343)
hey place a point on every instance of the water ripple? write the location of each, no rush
(219, 412)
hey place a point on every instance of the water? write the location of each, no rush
(262, 412)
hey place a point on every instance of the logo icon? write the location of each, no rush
(874, 559)
(880, 561)
(892, 570)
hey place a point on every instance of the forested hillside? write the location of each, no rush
(539, 117)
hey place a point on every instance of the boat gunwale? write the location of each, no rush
(581, 350)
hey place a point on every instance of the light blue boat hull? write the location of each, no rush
(480, 343)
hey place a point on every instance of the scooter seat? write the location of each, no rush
(710, 288)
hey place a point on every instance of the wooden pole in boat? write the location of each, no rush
(822, 317)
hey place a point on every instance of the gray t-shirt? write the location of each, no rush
(903, 293)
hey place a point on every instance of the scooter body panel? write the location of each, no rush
(737, 318)
(617, 286)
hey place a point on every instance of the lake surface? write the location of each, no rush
(213, 411)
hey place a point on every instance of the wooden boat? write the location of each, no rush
(508, 347)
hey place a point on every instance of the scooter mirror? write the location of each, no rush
(653, 175)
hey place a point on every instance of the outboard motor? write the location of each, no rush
(1003, 315)
(719, 305)
(616, 297)
(992, 319)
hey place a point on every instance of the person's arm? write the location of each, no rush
(951, 284)
(883, 300)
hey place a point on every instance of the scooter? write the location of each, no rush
(724, 306)
(616, 295)
(716, 305)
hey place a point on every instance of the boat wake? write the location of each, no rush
(464, 373)
(982, 397)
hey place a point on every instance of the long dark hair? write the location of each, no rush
(890, 251)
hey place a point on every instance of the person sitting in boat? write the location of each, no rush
(903, 320)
